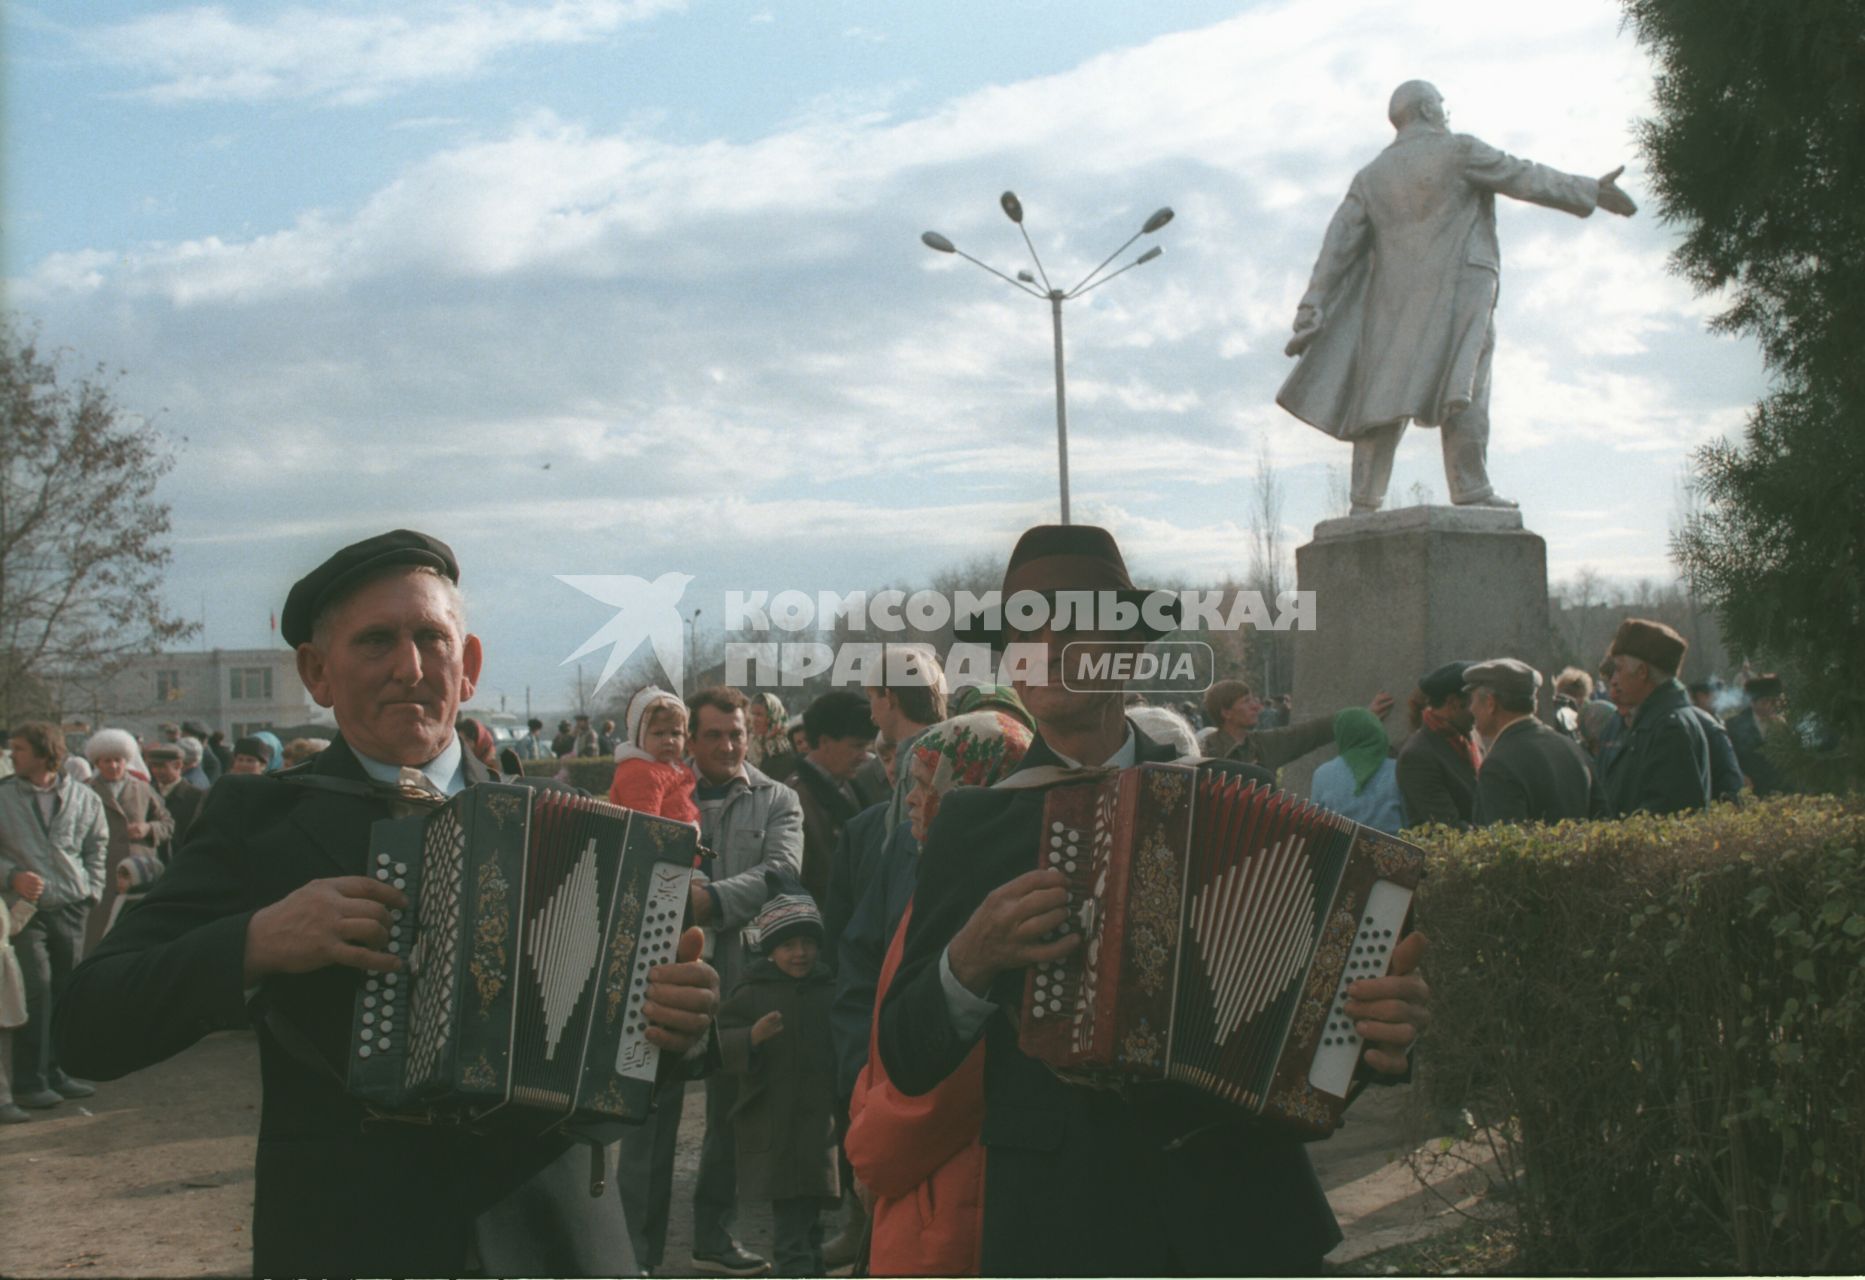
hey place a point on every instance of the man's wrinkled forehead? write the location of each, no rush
(400, 595)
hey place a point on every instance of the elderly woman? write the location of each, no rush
(138, 819)
(921, 1157)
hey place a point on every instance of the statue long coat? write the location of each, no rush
(1406, 282)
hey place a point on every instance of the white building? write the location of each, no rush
(236, 690)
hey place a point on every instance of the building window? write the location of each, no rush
(168, 686)
(250, 683)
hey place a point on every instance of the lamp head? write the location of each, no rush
(933, 240)
(1149, 255)
(1158, 220)
(1026, 277)
(1013, 207)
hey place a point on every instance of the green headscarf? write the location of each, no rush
(1362, 742)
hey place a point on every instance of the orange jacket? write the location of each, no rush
(650, 786)
(921, 1158)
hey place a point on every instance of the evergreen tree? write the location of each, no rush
(1757, 152)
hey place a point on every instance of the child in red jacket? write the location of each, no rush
(650, 776)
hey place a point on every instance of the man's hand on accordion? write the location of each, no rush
(682, 997)
(1389, 1012)
(342, 920)
(1011, 928)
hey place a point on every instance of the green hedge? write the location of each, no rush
(592, 773)
(1660, 1026)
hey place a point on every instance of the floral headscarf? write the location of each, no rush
(972, 750)
(775, 740)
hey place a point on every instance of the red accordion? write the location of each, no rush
(1221, 922)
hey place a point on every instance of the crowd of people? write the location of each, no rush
(862, 920)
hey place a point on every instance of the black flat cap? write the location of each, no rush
(1442, 683)
(346, 570)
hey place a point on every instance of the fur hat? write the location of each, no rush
(1651, 642)
(1768, 685)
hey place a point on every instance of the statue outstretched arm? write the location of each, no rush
(1345, 241)
(1497, 171)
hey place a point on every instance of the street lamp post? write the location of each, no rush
(1013, 209)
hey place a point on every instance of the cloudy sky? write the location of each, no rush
(635, 286)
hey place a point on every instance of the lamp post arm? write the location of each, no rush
(1034, 258)
(1015, 284)
(1104, 279)
(1109, 258)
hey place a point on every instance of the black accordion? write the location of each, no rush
(534, 916)
(1221, 923)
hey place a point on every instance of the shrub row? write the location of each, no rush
(1661, 1024)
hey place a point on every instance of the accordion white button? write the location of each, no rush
(382, 874)
(1056, 827)
(401, 868)
(387, 1026)
(363, 1052)
(383, 1043)
(368, 1018)
(371, 985)
(382, 859)
(400, 883)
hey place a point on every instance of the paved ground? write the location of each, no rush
(153, 1176)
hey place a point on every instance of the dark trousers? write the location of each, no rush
(644, 1173)
(796, 1231)
(48, 949)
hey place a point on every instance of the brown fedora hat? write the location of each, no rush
(1051, 558)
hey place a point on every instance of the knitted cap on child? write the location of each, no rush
(786, 916)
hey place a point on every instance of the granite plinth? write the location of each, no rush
(1397, 593)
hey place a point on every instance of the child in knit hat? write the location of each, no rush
(774, 1030)
(650, 774)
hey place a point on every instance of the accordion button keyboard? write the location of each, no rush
(1334, 1062)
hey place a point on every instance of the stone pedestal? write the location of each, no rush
(1397, 593)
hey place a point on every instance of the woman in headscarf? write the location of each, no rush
(138, 821)
(991, 697)
(920, 1158)
(765, 740)
(1362, 782)
(277, 761)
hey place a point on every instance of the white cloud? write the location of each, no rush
(737, 360)
(341, 53)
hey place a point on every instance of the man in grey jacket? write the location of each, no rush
(54, 840)
(749, 822)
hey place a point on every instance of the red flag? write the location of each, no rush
(274, 621)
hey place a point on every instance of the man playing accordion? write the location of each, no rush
(1151, 1179)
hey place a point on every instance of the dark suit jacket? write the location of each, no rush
(1534, 774)
(184, 804)
(1660, 763)
(1750, 745)
(825, 810)
(1080, 1181)
(1725, 764)
(331, 1196)
(1436, 781)
(857, 851)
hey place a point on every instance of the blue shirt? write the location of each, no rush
(1377, 805)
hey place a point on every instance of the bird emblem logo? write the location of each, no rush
(647, 611)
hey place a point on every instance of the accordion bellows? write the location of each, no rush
(534, 916)
(1221, 923)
